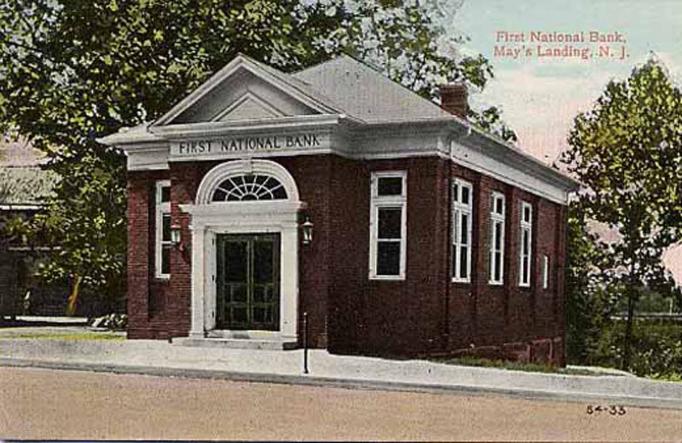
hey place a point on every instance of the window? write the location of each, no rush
(462, 205)
(497, 211)
(388, 225)
(163, 229)
(249, 187)
(525, 250)
(545, 272)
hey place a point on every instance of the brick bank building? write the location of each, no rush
(393, 223)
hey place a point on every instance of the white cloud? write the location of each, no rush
(541, 107)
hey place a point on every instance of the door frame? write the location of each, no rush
(250, 239)
(209, 219)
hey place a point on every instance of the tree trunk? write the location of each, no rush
(627, 345)
(631, 290)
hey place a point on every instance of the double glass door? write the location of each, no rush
(248, 281)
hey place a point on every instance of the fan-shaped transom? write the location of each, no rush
(248, 187)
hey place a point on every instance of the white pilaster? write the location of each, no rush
(198, 280)
(289, 281)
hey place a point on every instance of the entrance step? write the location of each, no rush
(237, 343)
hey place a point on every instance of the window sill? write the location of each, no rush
(459, 281)
(386, 278)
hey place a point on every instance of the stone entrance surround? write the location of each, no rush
(209, 219)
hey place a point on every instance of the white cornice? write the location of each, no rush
(267, 125)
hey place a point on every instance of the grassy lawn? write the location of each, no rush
(668, 377)
(516, 366)
(85, 335)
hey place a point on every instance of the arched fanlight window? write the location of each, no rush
(249, 187)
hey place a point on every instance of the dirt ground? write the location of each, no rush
(40, 404)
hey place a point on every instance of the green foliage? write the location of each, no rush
(659, 346)
(514, 365)
(67, 336)
(74, 70)
(589, 296)
(627, 151)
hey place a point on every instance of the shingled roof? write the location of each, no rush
(366, 94)
(25, 185)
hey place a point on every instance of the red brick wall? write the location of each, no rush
(348, 313)
(378, 316)
(146, 301)
(491, 318)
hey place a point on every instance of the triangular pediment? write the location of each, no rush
(249, 107)
(247, 90)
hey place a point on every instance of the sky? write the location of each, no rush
(540, 96)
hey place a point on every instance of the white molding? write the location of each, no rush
(298, 123)
(211, 219)
(478, 159)
(225, 170)
(545, 271)
(523, 226)
(497, 218)
(159, 210)
(248, 96)
(147, 158)
(458, 209)
(349, 138)
(342, 140)
(377, 202)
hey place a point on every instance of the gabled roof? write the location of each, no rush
(342, 85)
(296, 89)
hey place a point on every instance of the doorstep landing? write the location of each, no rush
(236, 343)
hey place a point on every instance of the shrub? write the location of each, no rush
(116, 322)
(657, 348)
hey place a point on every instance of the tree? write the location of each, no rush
(628, 153)
(587, 307)
(74, 70)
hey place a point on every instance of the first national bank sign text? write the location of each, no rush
(246, 144)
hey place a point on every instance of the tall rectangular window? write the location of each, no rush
(462, 204)
(497, 214)
(545, 272)
(388, 225)
(162, 229)
(525, 250)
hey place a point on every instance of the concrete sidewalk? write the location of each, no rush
(161, 358)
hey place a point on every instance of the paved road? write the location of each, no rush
(40, 403)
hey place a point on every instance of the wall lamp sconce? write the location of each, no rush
(307, 228)
(175, 233)
(176, 240)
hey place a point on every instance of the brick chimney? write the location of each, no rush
(454, 98)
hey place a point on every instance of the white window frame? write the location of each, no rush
(459, 210)
(160, 209)
(545, 272)
(387, 201)
(526, 226)
(496, 218)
